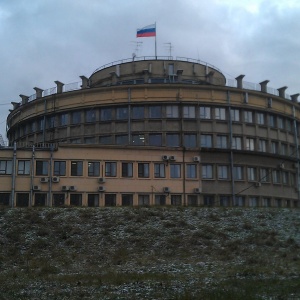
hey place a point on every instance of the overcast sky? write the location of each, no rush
(44, 41)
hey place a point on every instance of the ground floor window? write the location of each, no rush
(278, 203)
(253, 201)
(208, 200)
(176, 200)
(144, 200)
(40, 199)
(266, 202)
(76, 199)
(224, 201)
(58, 199)
(93, 200)
(239, 201)
(4, 199)
(160, 199)
(192, 200)
(127, 200)
(110, 199)
(22, 199)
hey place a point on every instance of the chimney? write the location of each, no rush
(39, 92)
(282, 91)
(24, 99)
(239, 80)
(59, 86)
(263, 86)
(85, 82)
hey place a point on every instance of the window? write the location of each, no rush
(276, 176)
(144, 200)
(155, 112)
(285, 177)
(251, 174)
(106, 114)
(127, 169)
(237, 143)
(190, 140)
(22, 199)
(205, 112)
(51, 122)
(250, 144)
(59, 168)
(127, 199)
(40, 124)
(175, 170)
(138, 139)
(93, 200)
(111, 169)
(105, 140)
(262, 145)
(274, 147)
(238, 173)
(122, 139)
(222, 141)
(58, 199)
(208, 200)
(272, 121)
(207, 171)
(266, 202)
(192, 200)
(76, 168)
(122, 113)
(235, 115)
(253, 201)
(206, 140)
(41, 168)
(4, 199)
(264, 175)
(23, 167)
(171, 70)
(137, 112)
(280, 123)
(176, 200)
(191, 171)
(239, 201)
(159, 170)
(248, 116)
(76, 199)
(75, 141)
(260, 118)
(223, 172)
(5, 167)
(63, 119)
(76, 117)
(155, 139)
(143, 170)
(189, 112)
(172, 111)
(160, 199)
(89, 140)
(90, 115)
(93, 169)
(172, 140)
(224, 201)
(110, 200)
(220, 113)
(284, 149)
(288, 125)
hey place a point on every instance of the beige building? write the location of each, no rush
(153, 132)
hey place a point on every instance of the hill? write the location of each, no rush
(149, 253)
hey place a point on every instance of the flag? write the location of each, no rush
(146, 31)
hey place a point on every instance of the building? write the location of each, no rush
(153, 131)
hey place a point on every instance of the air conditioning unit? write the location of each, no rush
(196, 158)
(257, 184)
(101, 188)
(165, 157)
(197, 190)
(55, 179)
(64, 188)
(72, 188)
(166, 189)
(44, 179)
(36, 187)
(101, 180)
(172, 157)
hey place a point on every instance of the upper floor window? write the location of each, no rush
(51, 122)
(122, 139)
(93, 168)
(143, 170)
(189, 112)
(105, 140)
(206, 140)
(175, 170)
(250, 144)
(63, 119)
(288, 125)
(260, 118)
(159, 170)
(205, 112)
(122, 113)
(110, 169)
(172, 111)
(223, 172)
(155, 139)
(127, 169)
(190, 140)
(264, 175)
(274, 147)
(40, 124)
(262, 145)
(137, 112)
(41, 168)
(138, 139)
(23, 167)
(106, 114)
(172, 140)
(59, 168)
(237, 143)
(248, 116)
(222, 141)
(5, 167)
(90, 115)
(191, 171)
(207, 171)
(235, 115)
(155, 112)
(276, 176)
(220, 113)
(238, 173)
(284, 149)
(251, 174)
(272, 121)
(76, 168)
(76, 117)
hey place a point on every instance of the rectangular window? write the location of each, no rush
(76, 117)
(224, 200)
(75, 199)
(288, 125)
(51, 122)
(251, 174)
(284, 149)
(155, 112)
(138, 139)
(143, 170)
(89, 140)
(264, 175)
(205, 112)
(155, 139)
(172, 139)
(280, 123)
(260, 118)
(222, 141)
(190, 140)
(208, 200)
(235, 115)
(191, 171)
(122, 139)
(137, 112)
(122, 113)
(58, 199)
(253, 201)
(172, 111)
(63, 119)
(105, 140)
(207, 171)
(110, 200)
(41, 168)
(76, 168)
(238, 173)
(262, 145)
(189, 112)
(160, 199)
(250, 144)
(93, 200)
(248, 116)
(4, 199)
(23, 167)
(40, 124)
(274, 147)
(127, 169)
(144, 200)
(5, 167)
(159, 170)
(127, 199)
(222, 172)
(276, 176)
(192, 200)
(59, 168)
(106, 114)
(220, 113)
(272, 121)
(285, 177)
(90, 115)
(239, 201)
(93, 168)
(206, 140)
(110, 169)
(176, 200)
(237, 143)
(175, 170)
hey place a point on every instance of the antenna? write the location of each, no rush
(169, 47)
(138, 45)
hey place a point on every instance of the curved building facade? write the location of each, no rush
(153, 132)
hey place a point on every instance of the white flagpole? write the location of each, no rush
(155, 43)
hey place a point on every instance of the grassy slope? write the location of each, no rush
(149, 253)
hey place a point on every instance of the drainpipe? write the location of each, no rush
(297, 152)
(129, 117)
(184, 177)
(14, 175)
(50, 176)
(32, 176)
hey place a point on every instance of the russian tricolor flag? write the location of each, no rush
(146, 31)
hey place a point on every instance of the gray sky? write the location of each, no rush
(44, 41)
